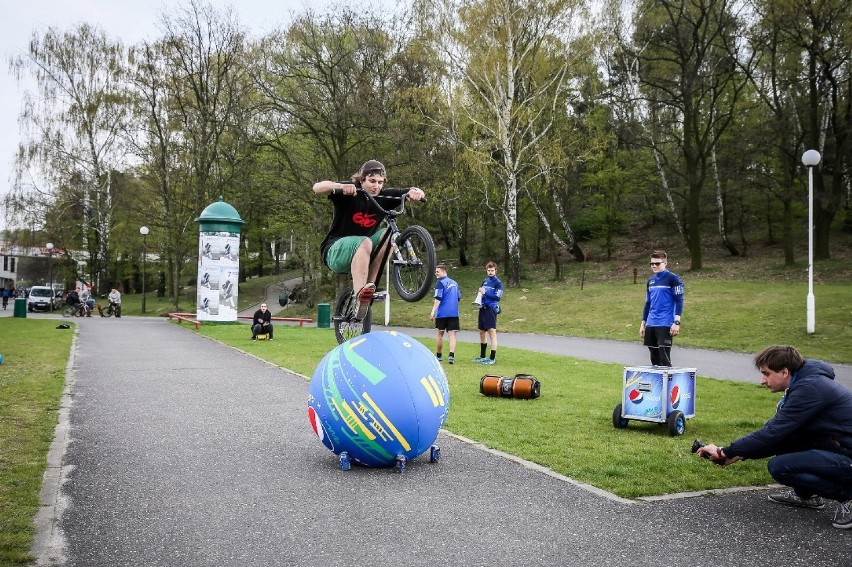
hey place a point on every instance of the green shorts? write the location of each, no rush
(339, 256)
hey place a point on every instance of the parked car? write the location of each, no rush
(41, 297)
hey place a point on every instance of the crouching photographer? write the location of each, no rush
(809, 438)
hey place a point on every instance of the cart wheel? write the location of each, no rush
(434, 454)
(677, 423)
(617, 421)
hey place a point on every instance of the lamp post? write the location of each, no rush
(811, 158)
(144, 232)
(49, 247)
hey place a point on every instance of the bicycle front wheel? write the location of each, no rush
(68, 311)
(346, 326)
(413, 263)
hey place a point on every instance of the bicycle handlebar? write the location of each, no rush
(392, 212)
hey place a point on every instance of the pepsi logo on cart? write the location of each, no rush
(635, 396)
(377, 397)
(674, 396)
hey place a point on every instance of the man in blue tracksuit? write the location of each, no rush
(663, 308)
(491, 292)
(810, 434)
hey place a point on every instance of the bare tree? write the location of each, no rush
(514, 61)
(190, 93)
(687, 68)
(72, 136)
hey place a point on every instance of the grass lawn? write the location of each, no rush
(32, 378)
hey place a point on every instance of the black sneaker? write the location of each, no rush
(254, 338)
(792, 499)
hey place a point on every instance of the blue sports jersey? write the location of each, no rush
(663, 300)
(448, 293)
(493, 291)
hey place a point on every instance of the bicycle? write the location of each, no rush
(78, 310)
(412, 256)
(109, 311)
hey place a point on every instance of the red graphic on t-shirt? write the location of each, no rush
(366, 220)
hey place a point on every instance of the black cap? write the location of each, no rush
(372, 166)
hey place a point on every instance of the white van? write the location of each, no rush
(41, 297)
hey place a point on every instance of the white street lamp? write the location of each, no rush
(49, 247)
(144, 232)
(811, 159)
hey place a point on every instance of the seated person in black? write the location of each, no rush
(73, 299)
(261, 323)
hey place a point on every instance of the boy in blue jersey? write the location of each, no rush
(663, 308)
(445, 311)
(492, 292)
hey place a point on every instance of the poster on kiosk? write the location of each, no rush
(218, 270)
(218, 263)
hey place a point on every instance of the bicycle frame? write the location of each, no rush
(388, 240)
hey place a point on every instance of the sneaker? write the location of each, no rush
(792, 499)
(843, 516)
(488, 361)
(270, 338)
(439, 357)
(451, 359)
(478, 359)
(254, 338)
(365, 296)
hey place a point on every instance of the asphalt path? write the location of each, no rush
(175, 450)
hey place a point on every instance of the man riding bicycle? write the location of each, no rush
(354, 231)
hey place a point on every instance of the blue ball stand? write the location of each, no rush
(434, 454)
(400, 463)
(345, 462)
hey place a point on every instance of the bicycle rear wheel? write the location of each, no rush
(413, 263)
(345, 324)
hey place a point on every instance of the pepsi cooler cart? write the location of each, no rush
(657, 394)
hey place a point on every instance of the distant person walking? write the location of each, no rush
(490, 294)
(663, 308)
(445, 312)
(6, 294)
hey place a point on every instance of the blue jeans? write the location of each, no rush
(813, 472)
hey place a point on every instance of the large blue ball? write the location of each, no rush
(377, 396)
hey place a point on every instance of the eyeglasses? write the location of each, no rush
(656, 263)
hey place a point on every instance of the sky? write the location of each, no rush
(129, 20)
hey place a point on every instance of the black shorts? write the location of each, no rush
(487, 318)
(447, 323)
(658, 336)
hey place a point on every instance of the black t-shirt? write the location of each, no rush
(355, 215)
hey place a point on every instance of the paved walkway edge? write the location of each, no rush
(49, 542)
(539, 468)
